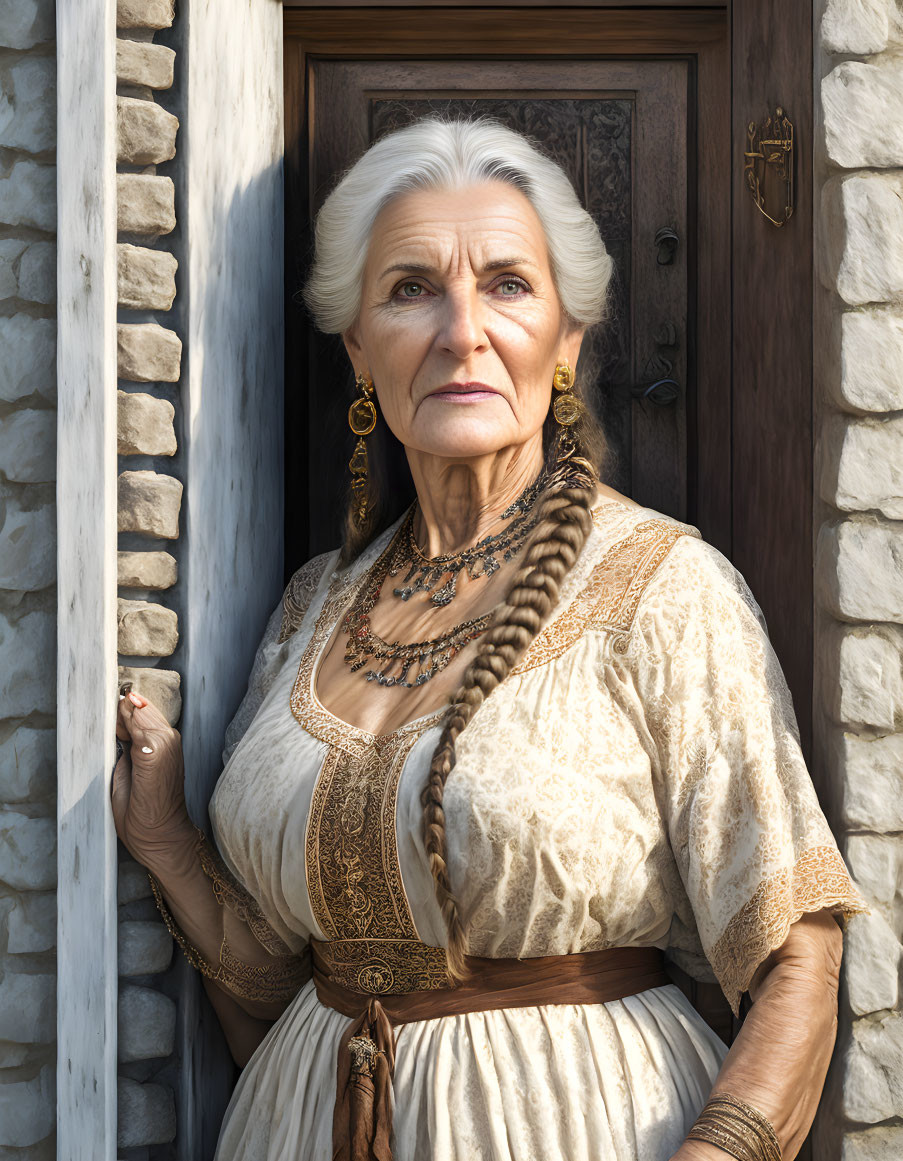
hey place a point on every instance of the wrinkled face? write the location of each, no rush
(460, 325)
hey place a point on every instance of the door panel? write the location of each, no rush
(620, 131)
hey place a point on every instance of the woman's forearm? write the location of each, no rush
(780, 1058)
(208, 927)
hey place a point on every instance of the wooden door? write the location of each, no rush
(619, 130)
(616, 100)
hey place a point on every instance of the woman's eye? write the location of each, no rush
(511, 286)
(415, 288)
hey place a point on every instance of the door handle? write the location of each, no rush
(658, 385)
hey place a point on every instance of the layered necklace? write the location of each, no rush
(406, 665)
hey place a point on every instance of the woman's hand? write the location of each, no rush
(148, 789)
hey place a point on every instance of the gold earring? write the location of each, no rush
(361, 420)
(566, 407)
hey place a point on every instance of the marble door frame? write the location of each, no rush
(86, 584)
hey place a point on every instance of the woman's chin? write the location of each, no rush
(467, 438)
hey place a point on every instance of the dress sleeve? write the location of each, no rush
(283, 623)
(752, 845)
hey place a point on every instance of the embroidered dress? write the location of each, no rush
(636, 781)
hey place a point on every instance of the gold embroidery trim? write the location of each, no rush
(610, 598)
(819, 879)
(299, 593)
(277, 982)
(354, 880)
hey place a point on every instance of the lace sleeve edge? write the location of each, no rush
(818, 880)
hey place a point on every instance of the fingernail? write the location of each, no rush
(136, 700)
(122, 697)
(146, 750)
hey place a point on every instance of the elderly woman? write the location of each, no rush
(502, 751)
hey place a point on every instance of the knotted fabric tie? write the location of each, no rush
(362, 1123)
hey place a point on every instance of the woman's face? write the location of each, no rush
(460, 325)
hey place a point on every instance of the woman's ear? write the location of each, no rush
(570, 344)
(353, 346)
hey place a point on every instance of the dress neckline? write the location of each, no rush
(306, 706)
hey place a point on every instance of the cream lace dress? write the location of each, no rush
(637, 780)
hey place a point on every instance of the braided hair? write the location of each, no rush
(562, 528)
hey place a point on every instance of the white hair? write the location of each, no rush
(436, 153)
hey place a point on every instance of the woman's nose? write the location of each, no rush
(462, 324)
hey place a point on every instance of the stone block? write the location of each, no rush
(146, 278)
(145, 425)
(862, 465)
(871, 964)
(859, 569)
(145, 204)
(884, 1143)
(28, 446)
(132, 880)
(146, 133)
(28, 1008)
(27, 545)
(27, 851)
(863, 113)
(28, 365)
(864, 675)
(147, 1024)
(37, 273)
(28, 665)
(149, 503)
(28, 1108)
(27, 270)
(146, 629)
(141, 63)
(147, 570)
(28, 104)
(25, 23)
(876, 864)
(11, 250)
(28, 195)
(147, 353)
(146, 1114)
(869, 770)
(855, 26)
(873, 1070)
(27, 764)
(144, 948)
(32, 923)
(161, 686)
(871, 358)
(144, 13)
(862, 236)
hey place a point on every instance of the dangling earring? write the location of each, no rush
(567, 409)
(361, 420)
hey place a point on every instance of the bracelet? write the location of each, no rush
(737, 1128)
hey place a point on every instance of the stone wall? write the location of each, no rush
(27, 580)
(150, 497)
(859, 548)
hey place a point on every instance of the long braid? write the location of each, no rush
(561, 531)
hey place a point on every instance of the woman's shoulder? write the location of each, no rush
(641, 561)
(301, 590)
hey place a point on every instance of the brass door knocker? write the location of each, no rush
(769, 162)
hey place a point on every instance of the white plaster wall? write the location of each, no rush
(232, 383)
(859, 549)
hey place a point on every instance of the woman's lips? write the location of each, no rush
(463, 393)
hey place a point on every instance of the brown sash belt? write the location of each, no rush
(362, 1124)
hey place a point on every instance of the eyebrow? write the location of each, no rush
(420, 268)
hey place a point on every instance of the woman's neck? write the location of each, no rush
(460, 501)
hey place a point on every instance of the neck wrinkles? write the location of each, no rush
(460, 502)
